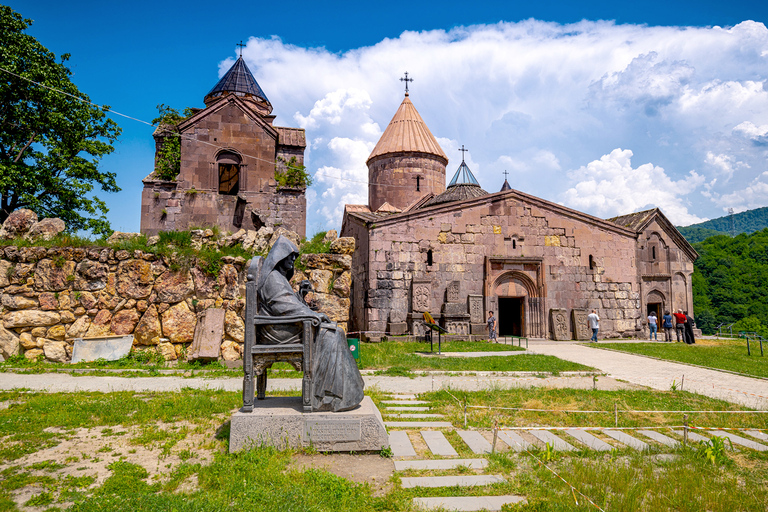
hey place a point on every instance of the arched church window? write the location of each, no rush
(429, 257)
(514, 244)
(653, 252)
(591, 262)
(229, 172)
(418, 183)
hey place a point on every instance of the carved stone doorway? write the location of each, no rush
(512, 316)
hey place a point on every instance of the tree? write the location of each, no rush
(50, 143)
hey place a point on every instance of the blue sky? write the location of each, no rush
(660, 104)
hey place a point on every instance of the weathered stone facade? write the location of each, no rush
(393, 178)
(525, 256)
(49, 296)
(229, 153)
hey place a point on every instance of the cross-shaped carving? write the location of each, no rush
(406, 80)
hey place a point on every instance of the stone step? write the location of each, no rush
(438, 444)
(419, 416)
(450, 481)
(692, 436)
(546, 436)
(739, 440)
(589, 440)
(402, 397)
(628, 440)
(757, 434)
(406, 408)
(405, 402)
(467, 503)
(476, 442)
(400, 444)
(660, 438)
(418, 424)
(440, 464)
(514, 441)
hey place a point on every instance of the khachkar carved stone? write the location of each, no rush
(477, 323)
(422, 293)
(580, 324)
(452, 292)
(558, 322)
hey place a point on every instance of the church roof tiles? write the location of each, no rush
(407, 133)
(238, 80)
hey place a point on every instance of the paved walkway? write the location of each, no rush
(657, 374)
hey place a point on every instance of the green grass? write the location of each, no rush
(592, 400)
(728, 355)
(403, 356)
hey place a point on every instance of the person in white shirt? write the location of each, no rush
(594, 324)
(653, 325)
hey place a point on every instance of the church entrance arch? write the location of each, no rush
(518, 304)
(655, 302)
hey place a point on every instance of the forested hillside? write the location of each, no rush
(744, 222)
(730, 282)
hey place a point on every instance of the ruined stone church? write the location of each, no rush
(460, 252)
(229, 152)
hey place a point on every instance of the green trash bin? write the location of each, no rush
(354, 347)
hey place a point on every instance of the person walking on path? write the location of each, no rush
(594, 324)
(680, 325)
(689, 323)
(653, 325)
(491, 326)
(667, 325)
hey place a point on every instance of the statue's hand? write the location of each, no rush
(324, 318)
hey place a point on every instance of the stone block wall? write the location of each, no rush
(392, 178)
(51, 295)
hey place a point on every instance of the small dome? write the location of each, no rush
(238, 80)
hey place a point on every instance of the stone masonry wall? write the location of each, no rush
(51, 295)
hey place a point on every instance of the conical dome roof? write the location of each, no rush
(407, 132)
(464, 185)
(240, 81)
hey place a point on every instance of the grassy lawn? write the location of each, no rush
(391, 357)
(401, 357)
(721, 354)
(592, 400)
(168, 451)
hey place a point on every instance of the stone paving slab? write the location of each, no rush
(450, 481)
(497, 353)
(406, 408)
(400, 444)
(403, 397)
(418, 424)
(757, 434)
(405, 402)
(514, 441)
(589, 440)
(628, 440)
(422, 416)
(476, 442)
(438, 444)
(467, 503)
(739, 440)
(692, 436)
(747, 391)
(545, 436)
(660, 438)
(440, 464)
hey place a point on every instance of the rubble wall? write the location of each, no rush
(51, 295)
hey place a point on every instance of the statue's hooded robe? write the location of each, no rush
(336, 381)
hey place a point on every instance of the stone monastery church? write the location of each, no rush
(229, 152)
(460, 252)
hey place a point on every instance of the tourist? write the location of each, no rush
(653, 326)
(594, 324)
(689, 323)
(491, 327)
(680, 325)
(667, 325)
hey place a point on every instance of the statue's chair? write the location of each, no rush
(258, 358)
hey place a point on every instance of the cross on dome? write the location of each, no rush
(406, 80)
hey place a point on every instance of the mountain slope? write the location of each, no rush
(745, 222)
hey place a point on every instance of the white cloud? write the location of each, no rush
(535, 98)
(611, 186)
(755, 195)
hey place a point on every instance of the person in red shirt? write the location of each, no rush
(680, 325)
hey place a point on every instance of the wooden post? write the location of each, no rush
(616, 413)
(685, 429)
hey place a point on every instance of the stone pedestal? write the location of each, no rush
(455, 318)
(478, 329)
(281, 422)
(397, 328)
